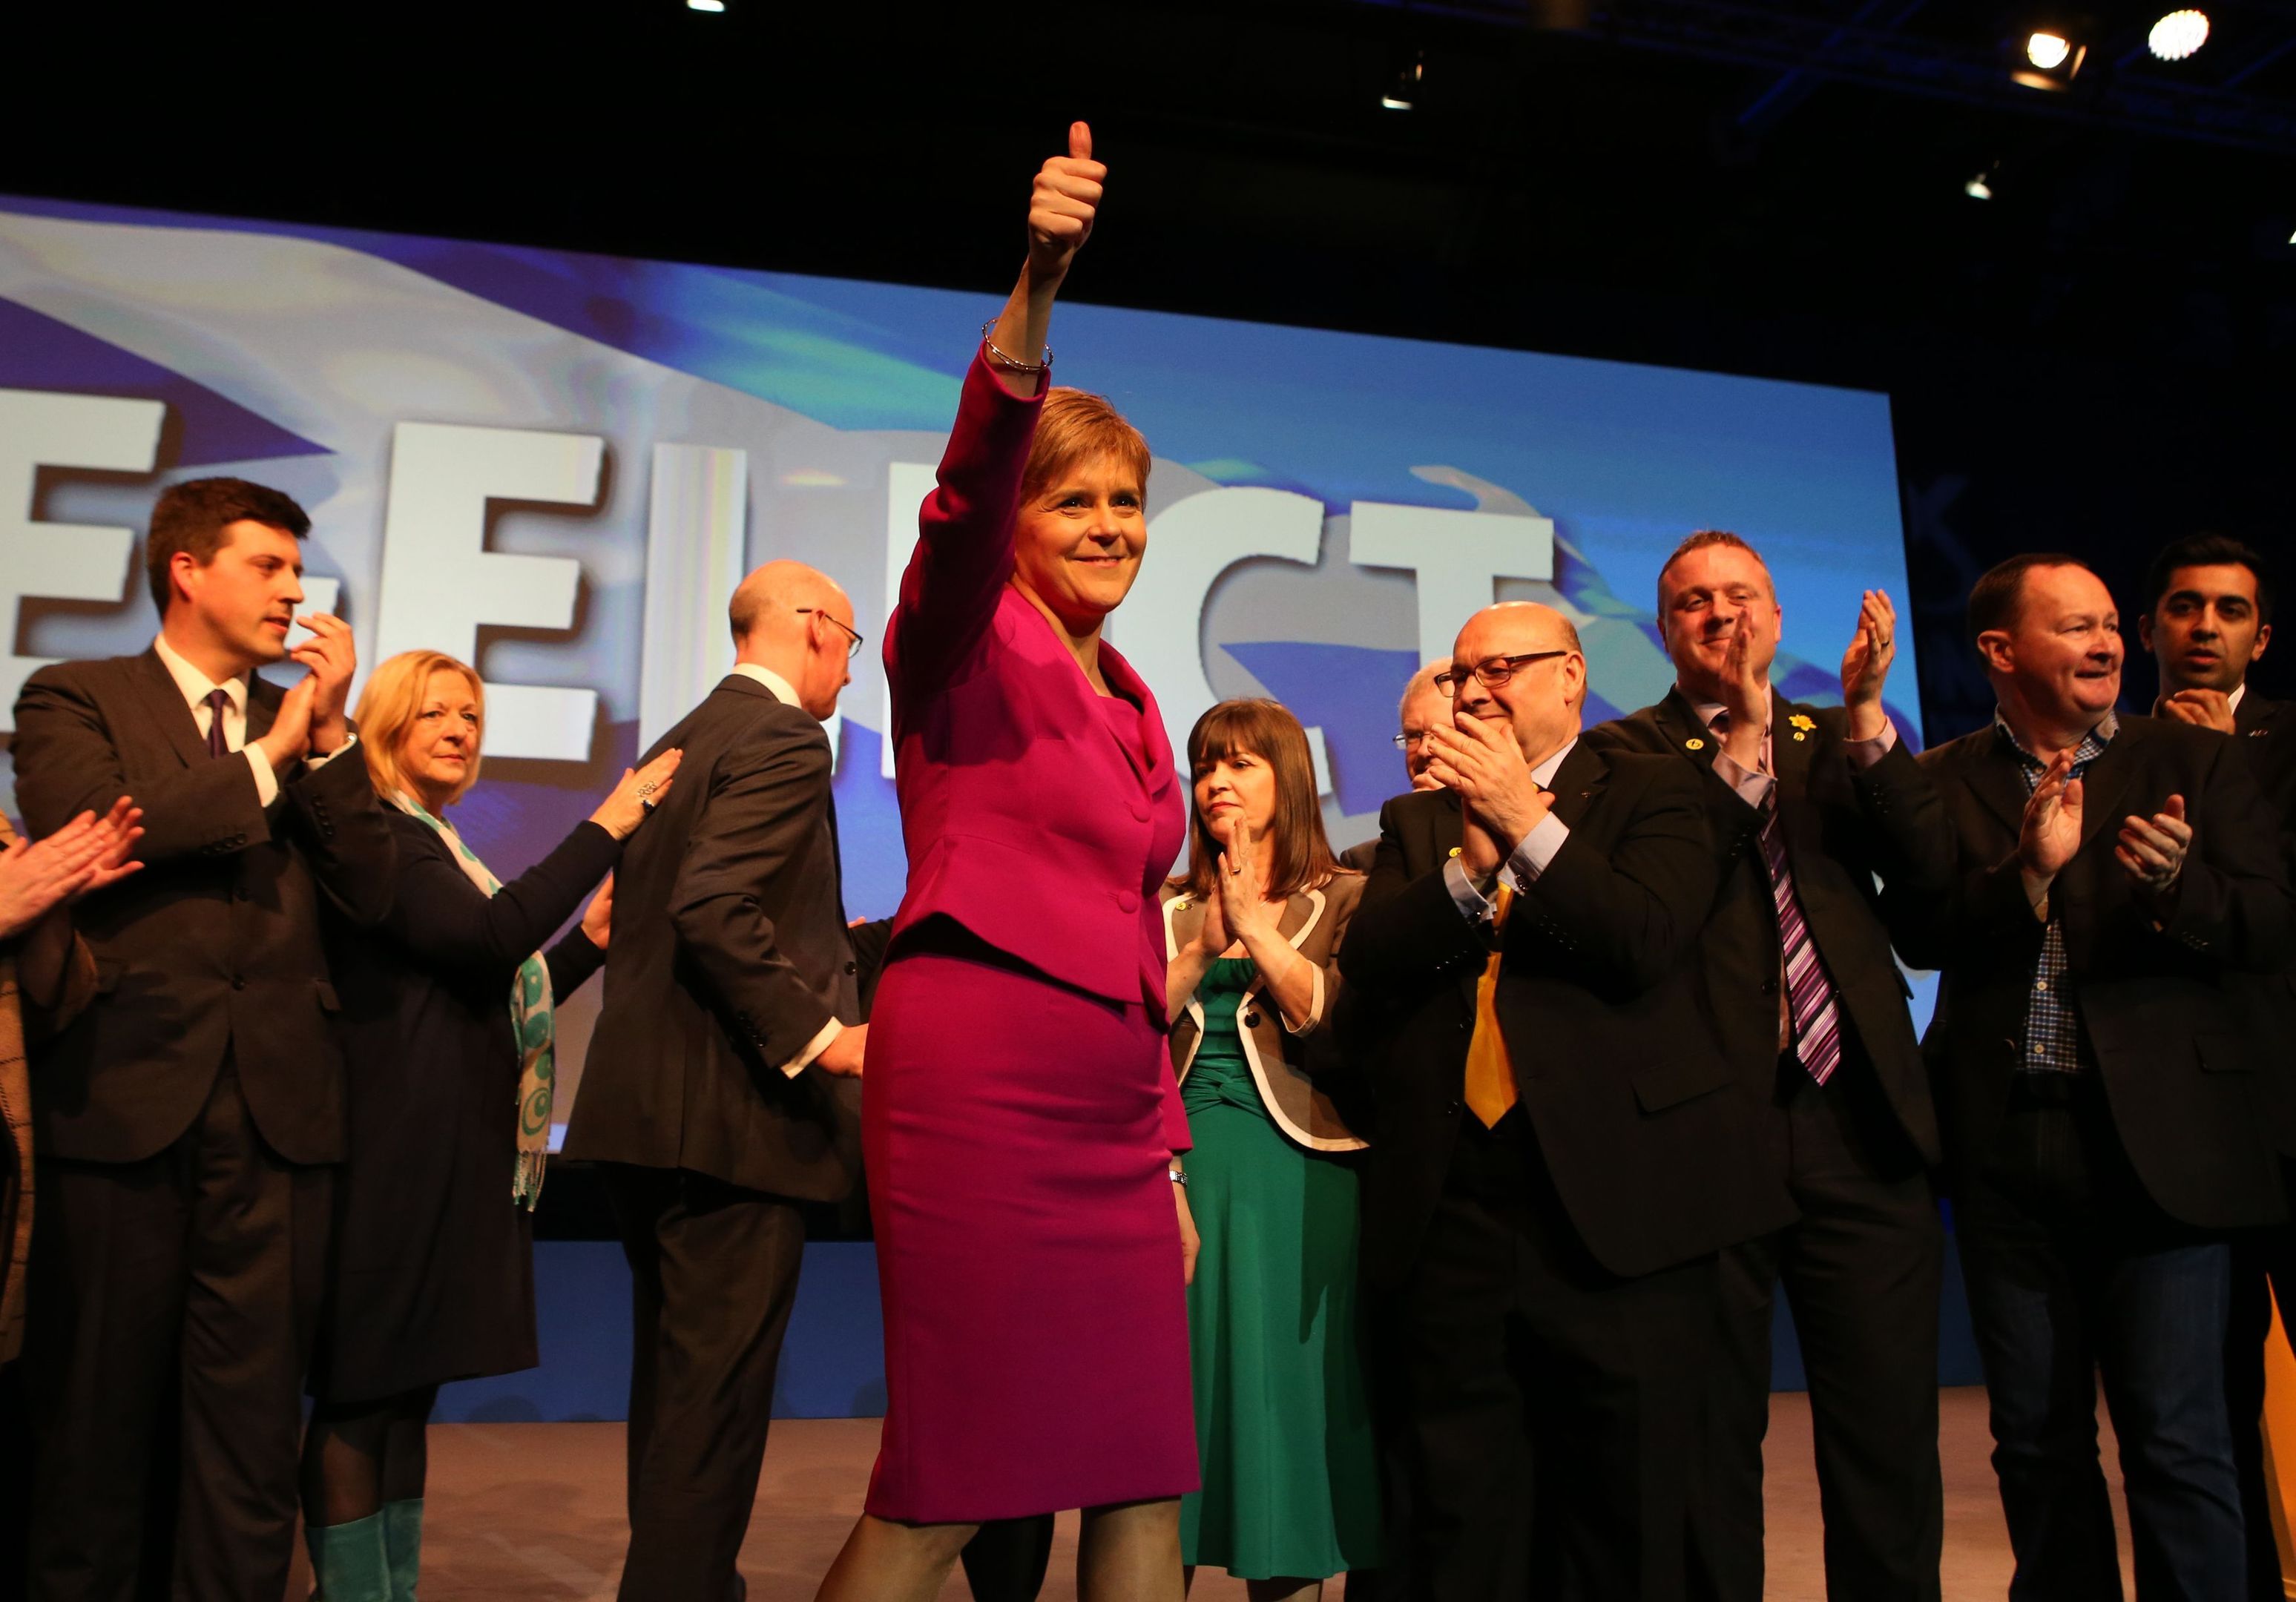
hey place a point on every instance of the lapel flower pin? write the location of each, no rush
(1803, 721)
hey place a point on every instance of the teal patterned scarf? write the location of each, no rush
(530, 1021)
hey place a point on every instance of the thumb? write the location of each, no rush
(1080, 141)
(2175, 807)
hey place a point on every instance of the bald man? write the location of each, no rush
(722, 1086)
(1559, 1154)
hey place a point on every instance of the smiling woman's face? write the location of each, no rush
(1077, 542)
(442, 742)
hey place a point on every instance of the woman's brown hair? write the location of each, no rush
(1074, 427)
(1301, 855)
(389, 705)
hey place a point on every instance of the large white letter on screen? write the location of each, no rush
(440, 584)
(1458, 556)
(70, 561)
(1190, 544)
(694, 553)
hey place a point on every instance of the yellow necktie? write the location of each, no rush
(1490, 1076)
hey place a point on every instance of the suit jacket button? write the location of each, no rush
(1452, 1109)
(1127, 901)
(852, 967)
(239, 981)
(1251, 1020)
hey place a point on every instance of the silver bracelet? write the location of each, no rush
(1012, 364)
(1178, 1176)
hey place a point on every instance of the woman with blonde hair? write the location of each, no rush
(1252, 930)
(448, 1030)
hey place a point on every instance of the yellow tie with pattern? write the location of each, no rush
(1490, 1076)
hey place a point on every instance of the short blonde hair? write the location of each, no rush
(1077, 427)
(389, 705)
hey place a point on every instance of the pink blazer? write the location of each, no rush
(1026, 819)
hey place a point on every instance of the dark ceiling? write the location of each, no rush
(2100, 356)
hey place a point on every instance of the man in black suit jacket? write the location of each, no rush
(1421, 707)
(187, 1121)
(1558, 1152)
(1808, 805)
(721, 1087)
(2208, 618)
(2114, 878)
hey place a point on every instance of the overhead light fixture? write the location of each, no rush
(2178, 34)
(2046, 51)
(2053, 59)
(1980, 187)
(715, 5)
(1402, 92)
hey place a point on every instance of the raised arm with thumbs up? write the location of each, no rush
(1061, 208)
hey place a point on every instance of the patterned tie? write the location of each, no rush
(1811, 1007)
(216, 701)
(1490, 1076)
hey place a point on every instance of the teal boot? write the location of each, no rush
(402, 1541)
(348, 1561)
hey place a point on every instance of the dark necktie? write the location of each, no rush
(216, 701)
(1811, 1007)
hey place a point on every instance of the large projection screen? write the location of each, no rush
(556, 465)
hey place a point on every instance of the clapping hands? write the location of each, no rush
(87, 854)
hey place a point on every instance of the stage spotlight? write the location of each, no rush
(1980, 187)
(2055, 55)
(705, 4)
(2178, 34)
(1402, 92)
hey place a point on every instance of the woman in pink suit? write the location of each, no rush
(1021, 1122)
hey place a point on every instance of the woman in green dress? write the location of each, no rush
(1284, 1426)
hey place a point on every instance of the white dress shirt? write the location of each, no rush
(196, 687)
(787, 697)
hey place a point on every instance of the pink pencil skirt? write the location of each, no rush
(1028, 1248)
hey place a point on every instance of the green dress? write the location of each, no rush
(1283, 1423)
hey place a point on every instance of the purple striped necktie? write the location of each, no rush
(218, 699)
(1813, 1008)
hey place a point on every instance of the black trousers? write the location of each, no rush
(714, 1271)
(1555, 1407)
(173, 1302)
(1861, 1269)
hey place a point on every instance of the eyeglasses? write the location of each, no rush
(851, 650)
(1410, 738)
(1492, 672)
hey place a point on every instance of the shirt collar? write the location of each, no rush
(1545, 770)
(771, 680)
(1708, 711)
(2091, 748)
(2238, 691)
(196, 685)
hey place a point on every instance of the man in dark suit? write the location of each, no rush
(1558, 1153)
(1795, 974)
(187, 1121)
(2114, 877)
(2208, 618)
(722, 1083)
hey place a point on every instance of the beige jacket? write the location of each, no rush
(1314, 921)
(75, 988)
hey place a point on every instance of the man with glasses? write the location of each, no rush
(1421, 709)
(1809, 804)
(1559, 1153)
(722, 1087)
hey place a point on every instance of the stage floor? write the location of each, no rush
(535, 1511)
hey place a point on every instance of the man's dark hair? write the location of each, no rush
(1994, 600)
(2208, 550)
(191, 517)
